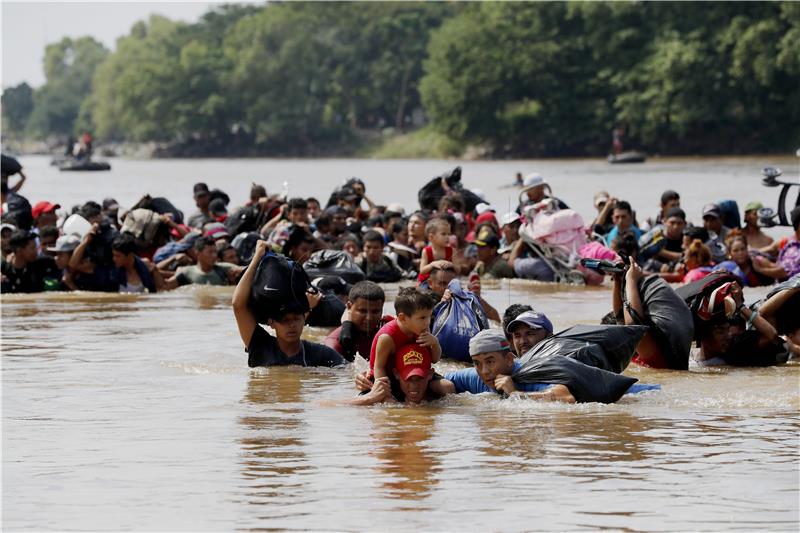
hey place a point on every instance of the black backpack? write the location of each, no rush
(279, 287)
(244, 220)
(334, 263)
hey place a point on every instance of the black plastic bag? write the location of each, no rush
(279, 287)
(328, 312)
(245, 219)
(606, 347)
(585, 383)
(333, 263)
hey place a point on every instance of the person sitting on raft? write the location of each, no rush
(361, 321)
(286, 348)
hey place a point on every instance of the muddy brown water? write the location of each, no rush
(125, 412)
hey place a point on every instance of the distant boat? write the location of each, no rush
(627, 157)
(75, 165)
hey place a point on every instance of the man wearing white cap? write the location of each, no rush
(494, 364)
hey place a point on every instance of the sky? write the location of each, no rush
(27, 27)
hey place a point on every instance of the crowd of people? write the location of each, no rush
(151, 247)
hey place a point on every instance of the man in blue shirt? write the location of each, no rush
(494, 364)
(623, 220)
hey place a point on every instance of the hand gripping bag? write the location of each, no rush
(456, 321)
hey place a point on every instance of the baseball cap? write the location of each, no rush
(753, 206)
(711, 210)
(510, 218)
(395, 208)
(10, 227)
(217, 207)
(600, 198)
(533, 180)
(65, 243)
(43, 207)
(531, 319)
(486, 237)
(216, 230)
(413, 360)
(488, 340)
(483, 207)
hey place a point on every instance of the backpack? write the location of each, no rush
(279, 287)
(729, 210)
(245, 219)
(456, 321)
(333, 263)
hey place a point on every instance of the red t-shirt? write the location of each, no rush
(400, 339)
(363, 341)
(428, 253)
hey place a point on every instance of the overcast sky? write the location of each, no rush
(29, 26)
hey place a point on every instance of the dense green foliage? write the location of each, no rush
(521, 79)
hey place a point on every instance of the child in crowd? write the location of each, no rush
(360, 322)
(377, 266)
(439, 234)
(412, 326)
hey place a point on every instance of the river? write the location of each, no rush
(126, 412)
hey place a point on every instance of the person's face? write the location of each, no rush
(511, 232)
(366, 314)
(414, 387)
(440, 237)
(290, 327)
(417, 323)
(339, 222)
(201, 201)
(674, 227)
(738, 252)
(351, 247)
(751, 218)
(373, 250)
(121, 260)
(486, 253)
(401, 236)
(47, 219)
(298, 216)
(207, 257)
(416, 228)
(536, 194)
(718, 340)
(45, 242)
(440, 279)
(712, 224)
(314, 210)
(358, 189)
(29, 252)
(491, 364)
(230, 256)
(301, 252)
(524, 337)
(669, 205)
(622, 218)
(62, 259)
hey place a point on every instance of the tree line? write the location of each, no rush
(517, 79)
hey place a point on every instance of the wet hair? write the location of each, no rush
(622, 205)
(699, 252)
(201, 243)
(437, 224)
(124, 243)
(409, 300)
(297, 203)
(511, 313)
(367, 290)
(373, 236)
(20, 239)
(626, 244)
(735, 235)
(91, 209)
(668, 196)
